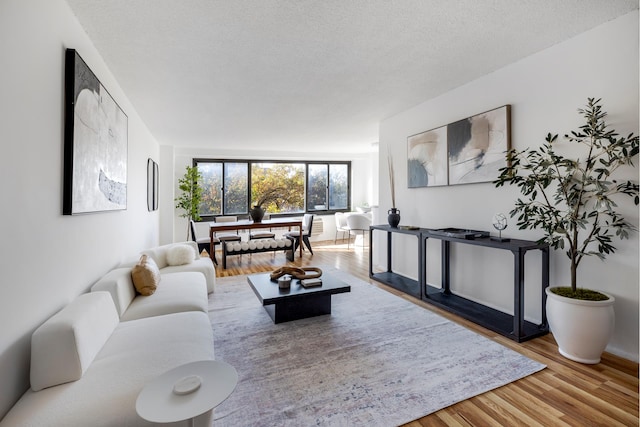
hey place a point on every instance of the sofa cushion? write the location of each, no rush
(180, 292)
(145, 275)
(203, 265)
(64, 346)
(180, 255)
(119, 283)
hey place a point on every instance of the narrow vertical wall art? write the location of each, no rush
(152, 185)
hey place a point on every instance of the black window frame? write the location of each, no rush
(306, 163)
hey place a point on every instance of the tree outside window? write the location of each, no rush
(231, 187)
(211, 175)
(282, 184)
(338, 186)
(236, 184)
(318, 185)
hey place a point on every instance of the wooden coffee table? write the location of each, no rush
(297, 302)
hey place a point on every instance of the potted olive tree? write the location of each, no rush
(574, 201)
(190, 195)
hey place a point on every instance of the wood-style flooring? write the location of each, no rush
(566, 393)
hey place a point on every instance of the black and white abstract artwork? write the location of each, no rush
(96, 140)
(427, 158)
(477, 146)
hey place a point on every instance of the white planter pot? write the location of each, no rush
(582, 329)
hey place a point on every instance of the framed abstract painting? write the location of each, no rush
(427, 158)
(95, 143)
(477, 146)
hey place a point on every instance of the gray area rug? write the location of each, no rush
(377, 360)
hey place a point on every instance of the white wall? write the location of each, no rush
(545, 90)
(361, 183)
(47, 258)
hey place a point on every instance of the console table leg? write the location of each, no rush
(370, 252)
(545, 285)
(518, 294)
(388, 251)
(446, 270)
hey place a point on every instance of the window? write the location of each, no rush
(212, 188)
(328, 186)
(318, 185)
(235, 188)
(279, 186)
(223, 184)
(230, 187)
(338, 186)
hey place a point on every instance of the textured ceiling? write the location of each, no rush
(309, 75)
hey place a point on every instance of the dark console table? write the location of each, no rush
(511, 326)
(389, 277)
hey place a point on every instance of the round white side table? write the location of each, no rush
(186, 391)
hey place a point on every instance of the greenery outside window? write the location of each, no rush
(286, 180)
(235, 188)
(231, 187)
(211, 184)
(338, 186)
(318, 185)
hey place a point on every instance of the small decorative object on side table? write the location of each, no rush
(394, 217)
(499, 223)
(187, 391)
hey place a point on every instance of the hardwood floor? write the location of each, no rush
(566, 393)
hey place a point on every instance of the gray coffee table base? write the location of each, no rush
(301, 308)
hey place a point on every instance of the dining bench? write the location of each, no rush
(259, 245)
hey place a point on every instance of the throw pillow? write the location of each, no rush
(180, 255)
(145, 275)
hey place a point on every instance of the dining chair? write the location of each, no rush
(307, 225)
(226, 236)
(262, 233)
(358, 223)
(204, 242)
(341, 225)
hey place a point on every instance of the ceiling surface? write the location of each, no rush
(312, 75)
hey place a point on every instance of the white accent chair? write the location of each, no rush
(341, 226)
(358, 225)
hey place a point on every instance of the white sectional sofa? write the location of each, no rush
(202, 264)
(90, 361)
(176, 292)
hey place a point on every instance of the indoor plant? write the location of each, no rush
(572, 200)
(191, 195)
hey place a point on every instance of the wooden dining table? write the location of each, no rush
(215, 227)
